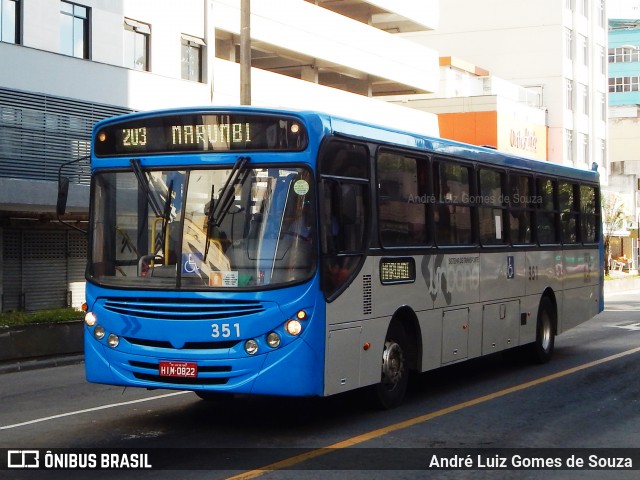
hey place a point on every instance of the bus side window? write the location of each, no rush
(569, 212)
(452, 210)
(344, 194)
(343, 231)
(589, 214)
(402, 200)
(547, 211)
(521, 204)
(491, 207)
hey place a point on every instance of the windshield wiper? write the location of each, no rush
(218, 210)
(143, 181)
(161, 212)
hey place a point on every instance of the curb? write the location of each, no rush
(617, 285)
(38, 363)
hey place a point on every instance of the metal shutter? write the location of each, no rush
(44, 269)
(76, 265)
(11, 271)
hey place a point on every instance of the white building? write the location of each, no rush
(66, 64)
(476, 107)
(553, 47)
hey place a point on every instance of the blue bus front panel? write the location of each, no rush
(147, 336)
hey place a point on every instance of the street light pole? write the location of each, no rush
(245, 52)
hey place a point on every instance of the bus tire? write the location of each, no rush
(390, 392)
(541, 350)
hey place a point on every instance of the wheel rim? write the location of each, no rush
(392, 364)
(545, 332)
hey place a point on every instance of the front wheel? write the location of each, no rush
(391, 390)
(541, 350)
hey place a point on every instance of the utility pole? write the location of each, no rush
(245, 52)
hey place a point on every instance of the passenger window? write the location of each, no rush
(547, 212)
(521, 204)
(452, 212)
(343, 217)
(344, 210)
(402, 200)
(589, 214)
(491, 207)
(568, 212)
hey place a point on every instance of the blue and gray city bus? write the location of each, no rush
(238, 250)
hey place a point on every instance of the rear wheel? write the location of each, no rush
(541, 350)
(391, 390)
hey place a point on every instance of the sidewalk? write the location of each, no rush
(621, 282)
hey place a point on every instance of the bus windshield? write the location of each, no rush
(196, 229)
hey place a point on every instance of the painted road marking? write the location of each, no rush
(297, 459)
(628, 326)
(94, 409)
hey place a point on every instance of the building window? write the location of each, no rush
(569, 94)
(624, 54)
(603, 107)
(624, 84)
(191, 58)
(568, 145)
(603, 61)
(568, 42)
(568, 4)
(136, 45)
(10, 21)
(602, 16)
(74, 30)
(584, 148)
(585, 8)
(584, 98)
(583, 45)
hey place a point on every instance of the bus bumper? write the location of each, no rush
(293, 370)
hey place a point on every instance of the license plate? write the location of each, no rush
(178, 369)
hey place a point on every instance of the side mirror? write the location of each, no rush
(63, 195)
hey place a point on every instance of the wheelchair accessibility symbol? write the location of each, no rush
(511, 269)
(191, 264)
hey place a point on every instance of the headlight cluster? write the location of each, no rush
(293, 327)
(91, 320)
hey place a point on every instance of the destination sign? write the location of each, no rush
(198, 133)
(397, 270)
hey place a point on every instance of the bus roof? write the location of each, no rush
(443, 146)
(325, 124)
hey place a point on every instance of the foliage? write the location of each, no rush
(41, 316)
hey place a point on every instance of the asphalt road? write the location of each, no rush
(585, 402)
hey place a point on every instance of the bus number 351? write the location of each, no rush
(224, 330)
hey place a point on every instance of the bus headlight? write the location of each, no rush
(98, 332)
(273, 340)
(293, 327)
(90, 319)
(113, 340)
(251, 347)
